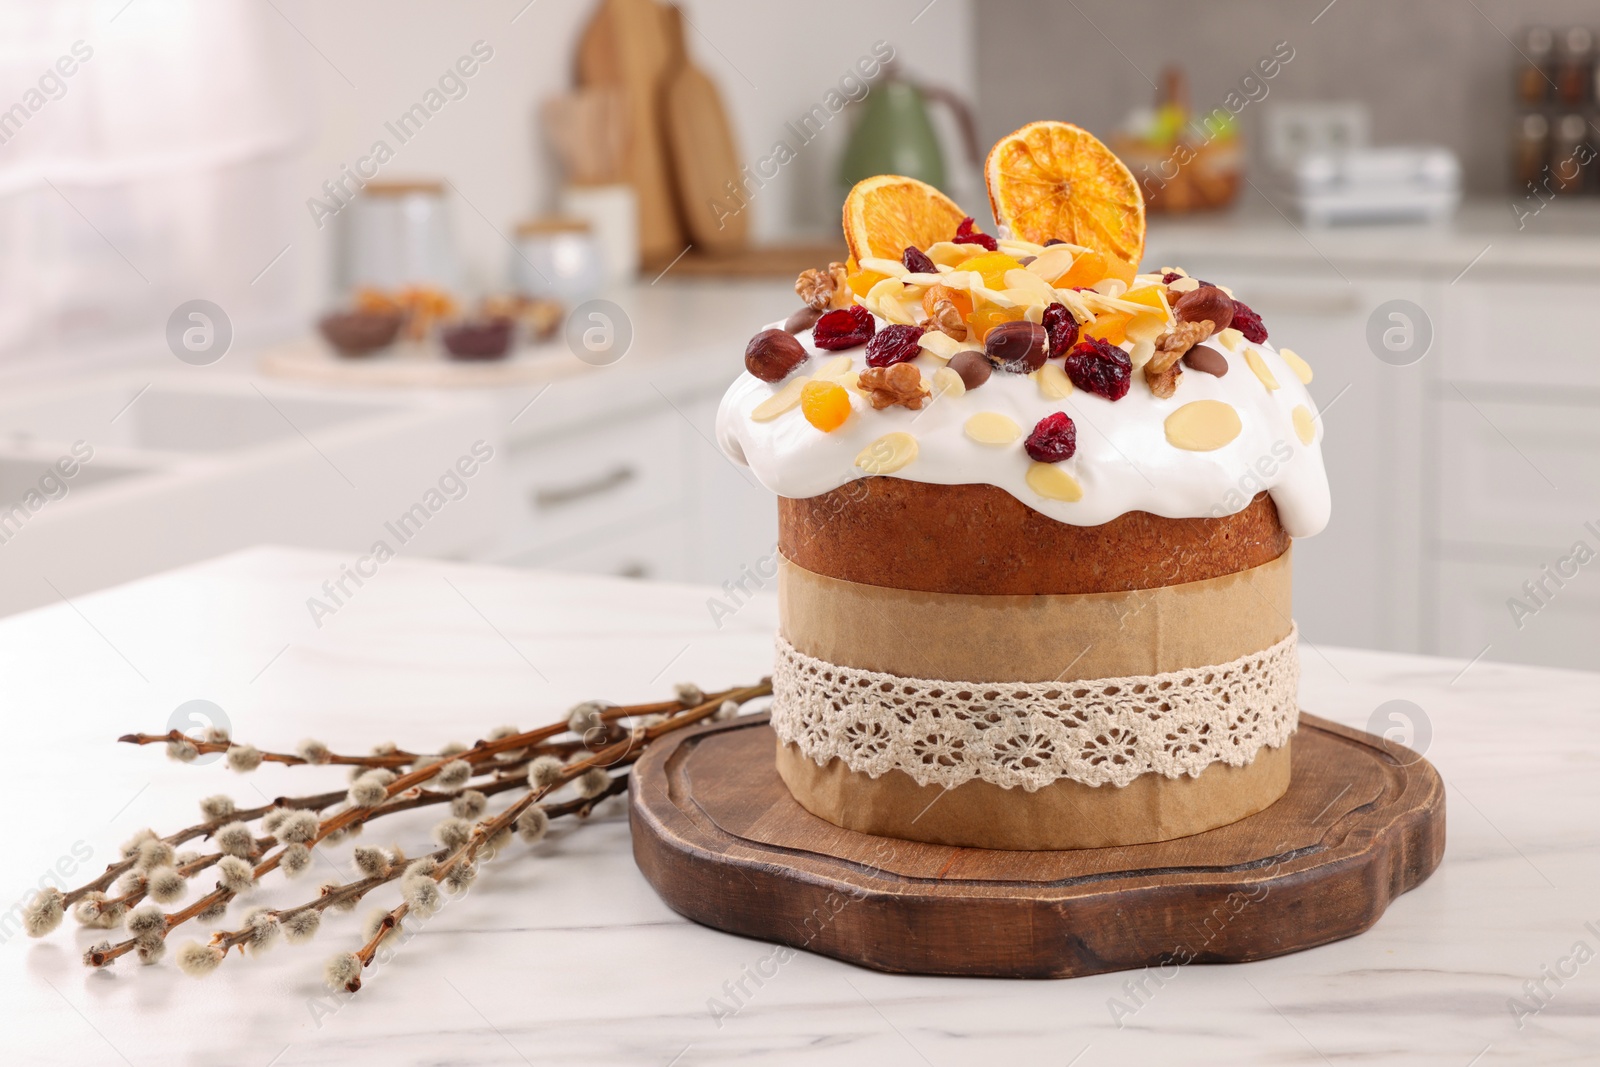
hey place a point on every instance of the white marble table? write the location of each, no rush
(567, 956)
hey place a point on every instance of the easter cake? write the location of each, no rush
(1035, 507)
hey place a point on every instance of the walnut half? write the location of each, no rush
(900, 384)
(1161, 373)
(823, 289)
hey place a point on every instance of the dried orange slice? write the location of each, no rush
(886, 214)
(1053, 179)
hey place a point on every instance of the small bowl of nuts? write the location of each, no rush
(359, 333)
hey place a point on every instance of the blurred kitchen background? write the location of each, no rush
(467, 280)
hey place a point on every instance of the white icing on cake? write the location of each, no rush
(1123, 462)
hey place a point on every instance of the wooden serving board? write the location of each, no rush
(717, 834)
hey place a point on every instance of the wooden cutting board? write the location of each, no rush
(626, 45)
(703, 152)
(717, 834)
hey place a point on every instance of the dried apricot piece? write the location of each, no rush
(992, 266)
(1110, 326)
(825, 405)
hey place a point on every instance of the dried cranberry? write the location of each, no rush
(965, 235)
(1062, 328)
(916, 261)
(894, 344)
(844, 328)
(1248, 323)
(1170, 277)
(1100, 367)
(1053, 439)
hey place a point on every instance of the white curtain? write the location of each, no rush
(144, 149)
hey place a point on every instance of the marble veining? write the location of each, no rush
(567, 956)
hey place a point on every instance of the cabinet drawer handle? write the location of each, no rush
(561, 495)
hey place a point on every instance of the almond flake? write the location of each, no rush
(1053, 483)
(1052, 263)
(1053, 382)
(1259, 368)
(833, 368)
(992, 428)
(785, 399)
(947, 382)
(1301, 368)
(888, 453)
(892, 267)
(1305, 424)
(1202, 426)
(943, 346)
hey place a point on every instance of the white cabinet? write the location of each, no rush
(640, 490)
(1514, 469)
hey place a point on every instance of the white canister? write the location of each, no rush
(612, 212)
(557, 258)
(399, 234)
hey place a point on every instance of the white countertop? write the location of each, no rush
(567, 956)
(1496, 237)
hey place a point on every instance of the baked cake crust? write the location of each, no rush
(980, 539)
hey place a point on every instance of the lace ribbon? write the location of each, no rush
(1030, 734)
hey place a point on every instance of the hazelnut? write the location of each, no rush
(772, 354)
(1206, 302)
(1018, 347)
(973, 368)
(802, 320)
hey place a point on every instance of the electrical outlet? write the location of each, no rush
(1295, 129)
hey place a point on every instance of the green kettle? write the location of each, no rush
(894, 133)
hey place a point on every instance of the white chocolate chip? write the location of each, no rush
(1202, 426)
(1259, 368)
(783, 400)
(888, 453)
(1305, 424)
(1053, 381)
(1053, 483)
(1301, 368)
(992, 428)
